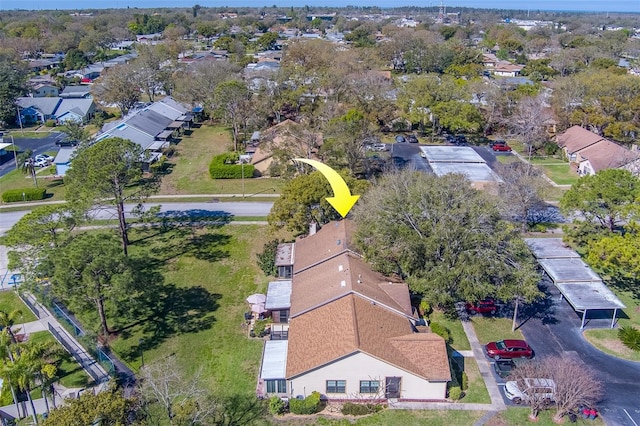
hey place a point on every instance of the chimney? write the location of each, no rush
(313, 228)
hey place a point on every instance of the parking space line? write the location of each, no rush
(629, 415)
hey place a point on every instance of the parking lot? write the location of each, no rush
(37, 145)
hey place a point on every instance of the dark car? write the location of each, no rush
(486, 306)
(502, 148)
(508, 349)
(460, 140)
(400, 139)
(504, 367)
(66, 142)
(412, 139)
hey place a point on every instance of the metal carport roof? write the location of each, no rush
(576, 281)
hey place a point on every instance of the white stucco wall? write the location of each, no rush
(359, 367)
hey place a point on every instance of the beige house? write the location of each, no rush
(352, 333)
(591, 152)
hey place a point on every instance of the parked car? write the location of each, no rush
(497, 142)
(460, 140)
(400, 139)
(524, 389)
(423, 154)
(43, 157)
(501, 148)
(412, 139)
(41, 163)
(66, 142)
(508, 348)
(486, 306)
(504, 367)
(380, 147)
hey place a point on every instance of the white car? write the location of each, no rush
(41, 163)
(43, 157)
(525, 389)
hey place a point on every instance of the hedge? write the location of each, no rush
(310, 405)
(26, 194)
(224, 166)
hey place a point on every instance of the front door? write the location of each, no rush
(392, 387)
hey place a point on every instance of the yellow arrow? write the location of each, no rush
(342, 199)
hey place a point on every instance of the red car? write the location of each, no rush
(509, 349)
(501, 147)
(486, 306)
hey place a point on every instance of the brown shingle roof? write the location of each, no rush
(341, 275)
(331, 240)
(607, 155)
(351, 324)
(576, 138)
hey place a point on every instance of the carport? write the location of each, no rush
(576, 281)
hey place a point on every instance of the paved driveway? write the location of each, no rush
(38, 146)
(555, 331)
(408, 155)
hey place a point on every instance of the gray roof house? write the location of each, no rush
(169, 108)
(149, 122)
(79, 110)
(82, 91)
(37, 109)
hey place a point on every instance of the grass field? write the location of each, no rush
(389, 417)
(18, 180)
(490, 329)
(517, 416)
(9, 302)
(190, 167)
(561, 174)
(477, 392)
(459, 340)
(70, 374)
(548, 160)
(606, 339)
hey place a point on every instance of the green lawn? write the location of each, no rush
(507, 159)
(456, 332)
(190, 167)
(489, 329)
(70, 374)
(561, 174)
(517, 416)
(9, 302)
(606, 339)
(197, 313)
(17, 180)
(548, 160)
(398, 417)
(477, 391)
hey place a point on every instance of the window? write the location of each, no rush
(369, 386)
(336, 386)
(276, 386)
(284, 315)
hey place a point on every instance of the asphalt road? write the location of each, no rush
(554, 330)
(38, 146)
(408, 155)
(190, 211)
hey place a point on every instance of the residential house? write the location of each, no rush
(284, 260)
(36, 110)
(287, 134)
(44, 90)
(80, 91)
(507, 69)
(591, 152)
(78, 110)
(352, 333)
(63, 160)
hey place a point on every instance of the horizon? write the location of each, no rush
(591, 6)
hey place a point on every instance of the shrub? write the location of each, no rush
(455, 393)
(50, 123)
(630, 337)
(440, 330)
(349, 408)
(310, 405)
(425, 307)
(224, 166)
(276, 406)
(267, 259)
(465, 381)
(26, 194)
(551, 148)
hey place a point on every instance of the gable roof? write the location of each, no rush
(168, 107)
(576, 138)
(607, 155)
(124, 131)
(47, 106)
(80, 106)
(345, 274)
(332, 239)
(353, 324)
(281, 135)
(75, 91)
(149, 122)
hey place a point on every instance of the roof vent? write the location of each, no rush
(343, 283)
(340, 268)
(338, 242)
(359, 278)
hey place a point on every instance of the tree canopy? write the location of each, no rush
(445, 238)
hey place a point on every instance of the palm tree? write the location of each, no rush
(41, 358)
(29, 167)
(7, 356)
(7, 320)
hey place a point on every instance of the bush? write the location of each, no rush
(440, 330)
(630, 337)
(26, 194)
(425, 307)
(465, 381)
(349, 408)
(267, 259)
(224, 166)
(310, 405)
(551, 148)
(50, 123)
(455, 393)
(276, 406)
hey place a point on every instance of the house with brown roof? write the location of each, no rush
(352, 333)
(592, 153)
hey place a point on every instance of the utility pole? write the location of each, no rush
(15, 156)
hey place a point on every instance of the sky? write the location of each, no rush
(568, 5)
